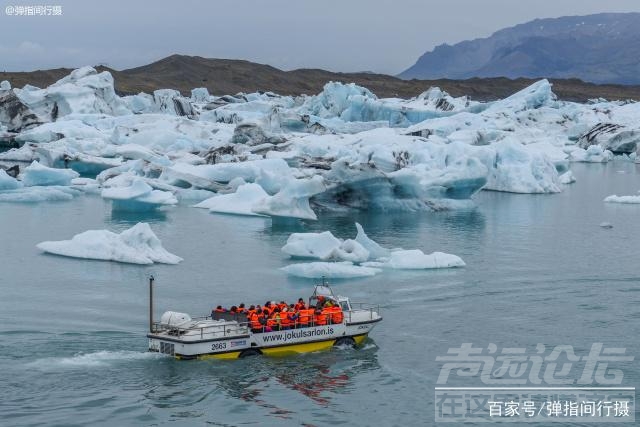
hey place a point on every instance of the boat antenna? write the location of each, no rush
(151, 279)
(324, 282)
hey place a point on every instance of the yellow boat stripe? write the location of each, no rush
(297, 348)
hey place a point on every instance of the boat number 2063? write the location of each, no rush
(218, 346)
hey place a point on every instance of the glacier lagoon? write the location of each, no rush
(539, 269)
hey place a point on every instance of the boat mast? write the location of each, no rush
(151, 303)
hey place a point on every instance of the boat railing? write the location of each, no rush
(232, 325)
(222, 330)
(373, 310)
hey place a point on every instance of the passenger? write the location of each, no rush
(274, 321)
(336, 314)
(254, 321)
(320, 303)
(282, 305)
(219, 309)
(241, 308)
(285, 322)
(300, 304)
(328, 312)
(252, 309)
(319, 318)
(233, 309)
(304, 317)
(264, 318)
(292, 318)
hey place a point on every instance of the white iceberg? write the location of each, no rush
(241, 202)
(330, 270)
(567, 178)
(292, 201)
(39, 175)
(622, 199)
(324, 246)
(39, 194)
(415, 259)
(138, 196)
(375, 250)
(137, 245)
(7, 182)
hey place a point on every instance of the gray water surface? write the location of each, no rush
(539, 270)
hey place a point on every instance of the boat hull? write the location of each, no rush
(275, 343)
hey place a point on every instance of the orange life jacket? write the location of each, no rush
(254, 320)
(305, 316)
(336, 314)
(320, 318)
(274, 320)
(300, 306)
(284, 319)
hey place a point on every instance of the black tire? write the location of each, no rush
(249, 352)
(345, 342)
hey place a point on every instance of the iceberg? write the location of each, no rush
(330, 270)
(137, 245)
(241, 202)
(622, 199)
(293, 200)
(7, 182)
(139, 196)
(39, 175)
(375, 250)
(39, 194)
(324, 246)
(567, 178)
(417, 260)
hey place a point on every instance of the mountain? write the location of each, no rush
(226, 76)
(602, 48)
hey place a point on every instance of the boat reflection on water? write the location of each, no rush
(320, 377)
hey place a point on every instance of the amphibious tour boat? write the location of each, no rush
(230, 335)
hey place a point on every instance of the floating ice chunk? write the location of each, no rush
(622, 199)
(7, 182)
(311, 245)
(39, 175)
(84, 91)
(293, 200)
(330, 270)
(415, 259)
(324, 246)
(135, 152)
(5, 85)
(534, 96)
(239, 203)
(350, 250)
(374, 249)
(138, 196)
(137, 245)
(86, 185)
(606, 224)
(25, 153)
(200, 94)
(515, 169)
(225, 172)
(593, 154)
(38, 194)
(567, 178)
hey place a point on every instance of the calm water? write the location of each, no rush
(539, 270)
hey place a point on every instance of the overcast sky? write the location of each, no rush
(342, 35)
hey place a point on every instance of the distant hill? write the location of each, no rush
(602, 48)
(225, 76)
